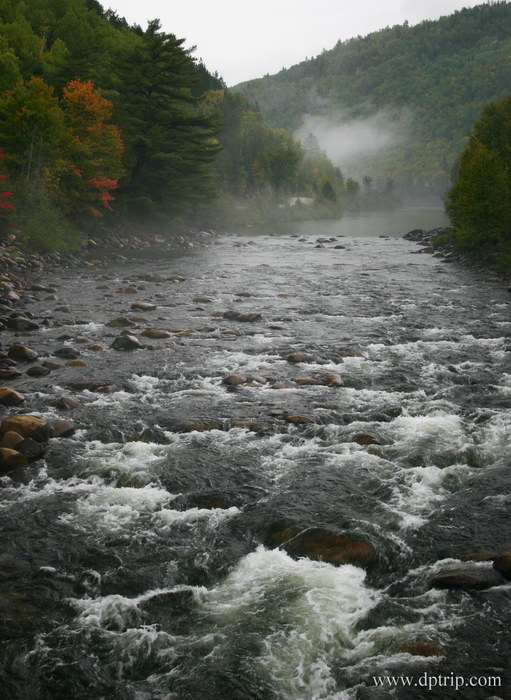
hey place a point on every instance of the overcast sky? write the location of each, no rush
(243, 40)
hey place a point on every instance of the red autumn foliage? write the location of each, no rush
(103, 185)
(5, 195)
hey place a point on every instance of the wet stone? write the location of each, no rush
(155, 333)
(296, 357)
(9, 397)
(49, 364)
(234, 379)
(126, 342)
(320, 545)
(9, 373)
(243, 317)
(62, 428)
(67, 353)
(11, 459)
(468, 578)
(31, 449)
(299, 419)
(143, 306)
(365, 439)
(67, 402)
(119, 322)
(38, 371)
(22, 353)
(502, 564)
(422, 648)
(11, 439)
(26, 426)
(21, 323)
(331, 379)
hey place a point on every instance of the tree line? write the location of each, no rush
(110, 127)
(479, 202)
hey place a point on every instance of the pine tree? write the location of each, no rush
(171, 145)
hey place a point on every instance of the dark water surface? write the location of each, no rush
(133, 561)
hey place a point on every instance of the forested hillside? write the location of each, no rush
(422, 85)
(106, 126)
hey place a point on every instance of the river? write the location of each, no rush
(136, 561)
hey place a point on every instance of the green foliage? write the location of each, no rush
(100, 118)
(170, 143)
(479, 202)
(43, 225)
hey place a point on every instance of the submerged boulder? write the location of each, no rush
(320, 544)
(422, 648)
(502, 564)
(467, 577)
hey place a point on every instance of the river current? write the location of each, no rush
(135, 561)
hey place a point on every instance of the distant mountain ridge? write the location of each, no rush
(425, 85)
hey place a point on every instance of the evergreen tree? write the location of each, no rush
(171, 145)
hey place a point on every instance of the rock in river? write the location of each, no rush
(320, 544)
(155, 333)
(67, 352)
(26, 426)
(296, 357)
(234, 379)
(246, 317)
(502, 564)
(21, 323)
(143, 306)
(467, 577)
(126, 342)
(22, 353)
(10, 459)
(9, 397)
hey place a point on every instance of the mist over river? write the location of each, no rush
(137, 561)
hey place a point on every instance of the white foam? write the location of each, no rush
(145, 383)
(495, 437)
(165, 519)
(117, 611)
(110, 510)
(420, 488)
(420, 436)
(310, 610)
(132, 460)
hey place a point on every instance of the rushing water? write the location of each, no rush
(134, 563)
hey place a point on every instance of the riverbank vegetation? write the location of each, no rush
(479, 202)
(106, 127)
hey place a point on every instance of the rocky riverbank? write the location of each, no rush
(440, 243)
(23, 438)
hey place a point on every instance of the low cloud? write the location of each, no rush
(346, 140)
